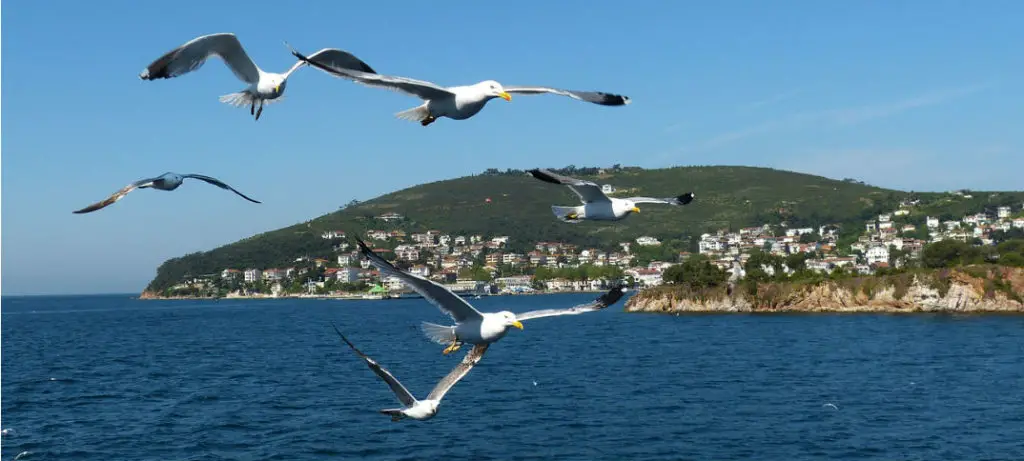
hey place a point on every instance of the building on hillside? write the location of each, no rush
(252, 275)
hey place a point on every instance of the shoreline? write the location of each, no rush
(965, 290)
(350, 297)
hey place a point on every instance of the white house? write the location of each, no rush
(607, 188)
(252, 275)
(932, 222)
(420, 270)
(877, 254)
(347, 259)
(1018, 223)
(378, 235)
(884, 217)
(332, 235)
(901, 212)
(1003, 212)
(347, 274)
(647, 241)
(407, 252)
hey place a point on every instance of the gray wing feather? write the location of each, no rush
(444, 299)
(459, 372)
(607, 299)
(218, 183)
(679, 200)
(336, 58)
(396, 387)
(192, 55)
(419, 88)
(116, 196)
(588, 192)
(595, 97)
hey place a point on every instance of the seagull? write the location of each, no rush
(455, 102)
(472, 326)
(419, 409)
(166, 181)
(264, 87)
(596, 205)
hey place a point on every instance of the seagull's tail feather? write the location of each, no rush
(570, 214)
(239, 99)
(395, 413)
(416, 114)
(438, 333)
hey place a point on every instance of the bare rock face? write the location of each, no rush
(997, 290)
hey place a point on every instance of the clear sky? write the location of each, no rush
(922, 95)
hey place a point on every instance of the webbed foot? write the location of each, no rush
(452, 348)
(427, 121)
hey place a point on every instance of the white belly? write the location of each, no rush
(480, 332)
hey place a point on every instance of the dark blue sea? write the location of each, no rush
(113, 378)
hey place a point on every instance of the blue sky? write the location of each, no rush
(922, 95)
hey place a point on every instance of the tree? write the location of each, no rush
(695, 272)
(949, 253)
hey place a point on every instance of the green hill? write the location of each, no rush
(519, 206)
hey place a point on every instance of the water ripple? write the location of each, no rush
(101, 378)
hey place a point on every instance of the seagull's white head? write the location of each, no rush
(510, 319)
(623, 207)
(279, 84)
(494, 90)
(274, 84)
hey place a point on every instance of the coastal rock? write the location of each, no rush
(997, 290)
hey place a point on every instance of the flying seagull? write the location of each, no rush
(264, 87)
(166, 181)
(596, 205)
(472, 326)
(412, 408)
(455, 102)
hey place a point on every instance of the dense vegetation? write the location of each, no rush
(513, 203)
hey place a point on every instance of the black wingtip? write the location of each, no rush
(296, 53)
(362, 245)
(349, 343)
(685, 198)
(544, 176)
(615, 99)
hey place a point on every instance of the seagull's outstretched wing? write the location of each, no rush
(192, 55)
(449, 303)
(419, 88)
(680, 200)
(460, 371)
(218, 183)
(400, 391)
(117, 195)
(335, 58)
(611, 297)
(589, 192)
(596, 97)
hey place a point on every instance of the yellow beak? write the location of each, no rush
(277, 89)
(518, 324)
(505, 96)
(635, 210)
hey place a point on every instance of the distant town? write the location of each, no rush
(484, 265)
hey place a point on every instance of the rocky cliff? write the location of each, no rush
(969, 289)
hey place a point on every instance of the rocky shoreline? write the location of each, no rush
(148, 295)
(962, 290)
